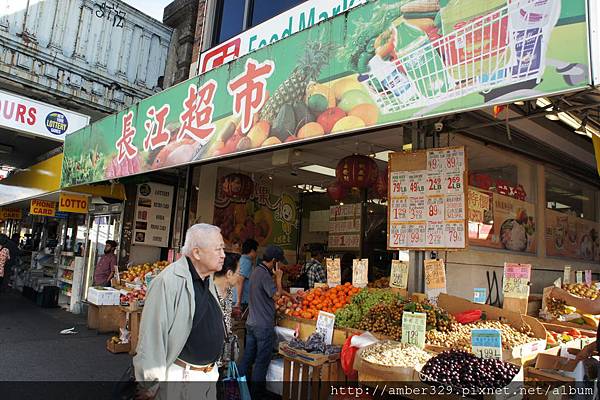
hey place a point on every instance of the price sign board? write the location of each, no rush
(344, 227)
(413, 328)
(360, 273)
(334, 273)
(325, 325)
(567, 275)
(578, 276)
(588, 277)
(428, 200)
(399, 275)
(486, 343)
(479, 295)
(516, 280)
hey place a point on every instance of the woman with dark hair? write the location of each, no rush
(225, 280)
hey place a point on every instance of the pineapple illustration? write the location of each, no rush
(316, 57)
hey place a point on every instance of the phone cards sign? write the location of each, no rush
(153, 214)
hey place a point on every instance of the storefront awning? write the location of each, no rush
(373, 66)
(43, 179)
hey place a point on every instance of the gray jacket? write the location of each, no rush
(166, 321)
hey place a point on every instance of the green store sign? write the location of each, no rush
(382, 63)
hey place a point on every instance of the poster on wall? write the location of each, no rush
(376, 65)
(152, 219)
(501, 222)
(572, 237)
(264, 216)
(344, 227)
(428, 199)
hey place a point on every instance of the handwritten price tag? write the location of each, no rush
(398, 211)
(479, 295)
(325, 325)
(435, 209)
(567, 275)
(416, 183)
(578, 276)
(434, 184)
(454, 159)
(516, 280)
(398, 236)
(486, 343)
(398, 184)
(454, 235)
(588, 277)
(453, 183)
(413, 328)
(360, 273)
(416, 235)
(435, 274)
(455, 207)
(334, 274)
(435, 234)
(399, 275)
(435, 160)
(416, 208)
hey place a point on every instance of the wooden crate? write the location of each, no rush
(131, 321)
(117, 347)
(303, 378)
(306, 327)
(105, 319)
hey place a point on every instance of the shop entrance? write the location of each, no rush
(103, 225)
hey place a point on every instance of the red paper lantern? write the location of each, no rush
(238, 186)
(381, 185)
(336, 191)
(357, 172)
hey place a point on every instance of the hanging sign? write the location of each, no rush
(578, 276)
(516, 280)
(43, 207)
(588, 277)
(153, 214)
(486, 343)
(414, 325)
(567, 275)
(399, 275)
(334, 273)
(344, 227)
(428, 199)
(360, 273)
(73, 203)
(435, 279)
(325, 325)
(7, 213)
(479, 295)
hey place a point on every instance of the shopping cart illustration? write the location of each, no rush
(501, 48)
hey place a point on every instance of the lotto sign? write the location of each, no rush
(360, 273)
(516, 280)
(414, 325)
(334, 275)
(427, 197)
(399, 275)
(486, 343)
(73, 203)
(43, 207)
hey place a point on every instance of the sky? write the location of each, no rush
(153, 8)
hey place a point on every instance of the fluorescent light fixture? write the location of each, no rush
(319, 169)
(519, 103)
(543, 102)
(383, 155)
(568, 119)
(553, 116)
(310, 188)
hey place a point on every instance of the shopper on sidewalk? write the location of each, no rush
(182, 328)
(260, 327)
(225, 281)
(249, 249)
(105, 269)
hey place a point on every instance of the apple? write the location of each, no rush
(330, 117)
(291, 138)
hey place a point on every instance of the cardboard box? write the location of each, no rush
(102, 296)
(105, 318)
(552, 367)
(117, 347)
(131, 320)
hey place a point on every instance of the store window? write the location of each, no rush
(502, 195)
(235, 16)
(572, 218)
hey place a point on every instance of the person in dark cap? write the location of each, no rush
(260, 326)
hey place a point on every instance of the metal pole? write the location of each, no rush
(416, 282)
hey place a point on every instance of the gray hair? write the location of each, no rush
(198, 235)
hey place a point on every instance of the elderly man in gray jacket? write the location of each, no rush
(182, 329)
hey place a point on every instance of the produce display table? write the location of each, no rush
(104, 319)
(303, 373)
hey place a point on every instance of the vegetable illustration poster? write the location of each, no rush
(377, 64)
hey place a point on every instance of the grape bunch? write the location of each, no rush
(463, 370)
(314, 344)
